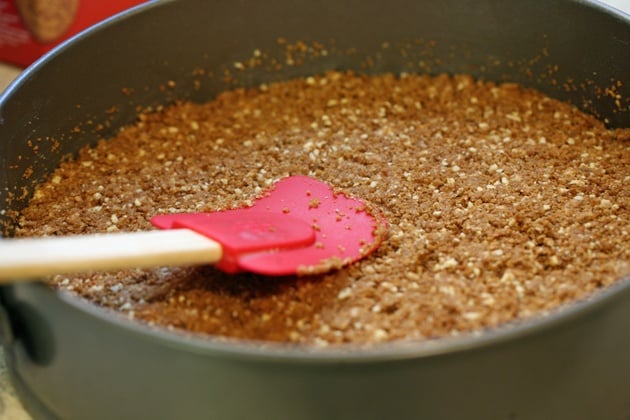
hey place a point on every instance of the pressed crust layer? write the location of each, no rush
(502, 204)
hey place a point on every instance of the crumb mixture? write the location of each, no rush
(502, 204)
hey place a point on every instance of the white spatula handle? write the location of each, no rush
(28, 258)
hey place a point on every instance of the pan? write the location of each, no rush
(69, 359)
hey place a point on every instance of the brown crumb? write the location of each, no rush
(502, 204)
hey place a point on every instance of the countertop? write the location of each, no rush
(10, 406)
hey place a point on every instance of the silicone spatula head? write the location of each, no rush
(300, 226)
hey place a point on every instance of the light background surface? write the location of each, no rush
(10, 407)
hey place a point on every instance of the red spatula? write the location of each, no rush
(299, 226)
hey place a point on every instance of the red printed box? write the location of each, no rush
(29, 28)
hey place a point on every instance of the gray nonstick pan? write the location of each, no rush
(72, 360)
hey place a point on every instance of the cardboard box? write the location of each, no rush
(29, 28)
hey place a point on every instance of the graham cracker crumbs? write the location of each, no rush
(501, 202)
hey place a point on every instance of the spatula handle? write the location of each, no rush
(29, 258)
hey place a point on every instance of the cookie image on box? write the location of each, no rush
(47, 20)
